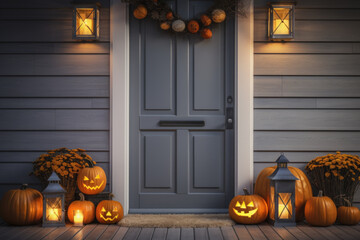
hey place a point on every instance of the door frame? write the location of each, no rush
(120, 101)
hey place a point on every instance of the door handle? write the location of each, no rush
(175, 123)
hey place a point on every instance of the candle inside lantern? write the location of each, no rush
(78, 218)
(53, 214)
(283, 212)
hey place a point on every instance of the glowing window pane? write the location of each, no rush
(281, 21)
(85, 21)
(285, 206)
(53, 209)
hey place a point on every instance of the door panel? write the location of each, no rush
(158, 160)
(184, 166)
(158, 65)
(207, 155)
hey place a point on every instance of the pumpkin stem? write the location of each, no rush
(246, 192)
(320, 193)
(24, 186)
(111, 196)
(82, 197)
(347, 201)
(91, 164)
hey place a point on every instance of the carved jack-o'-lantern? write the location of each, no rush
(248, 209)
(91, 180)
(109, 211)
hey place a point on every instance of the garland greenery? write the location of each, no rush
(202, 24)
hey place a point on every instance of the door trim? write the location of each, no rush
(119, 101)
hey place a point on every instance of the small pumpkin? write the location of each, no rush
(218, 15)
(140, 12)
(248, 209)
(206, 21)
(193, 26)
(109, 211)
(87, 208)
(165, 26)
(348, 215)
(178, 25)
(320, 211)
(22, 206)
(91, 180)
(170, 16)
(303, 190)
(206, 33)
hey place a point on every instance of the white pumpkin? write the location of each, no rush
(178, 25)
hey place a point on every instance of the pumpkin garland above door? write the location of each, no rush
(170, 21)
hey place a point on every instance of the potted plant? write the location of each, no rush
(337, 175)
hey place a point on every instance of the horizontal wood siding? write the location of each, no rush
(307, 90)
(54, 91)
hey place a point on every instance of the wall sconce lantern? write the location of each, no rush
(86, 22)
(282, 194)
(281, 21)
(54, 203)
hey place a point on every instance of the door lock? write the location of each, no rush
(229, 118)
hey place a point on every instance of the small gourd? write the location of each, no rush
(193, 26)
(140, 12)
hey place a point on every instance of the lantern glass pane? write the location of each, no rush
(272, 203)
(285, 206)
(54, 209)
(281, 21)
(85, 21)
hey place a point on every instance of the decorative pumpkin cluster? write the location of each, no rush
(65, 162)
(159, 11)
(106, 212)
(337, 165)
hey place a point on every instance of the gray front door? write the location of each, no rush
(181, 152)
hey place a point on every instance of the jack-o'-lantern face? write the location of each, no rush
(109, 211)
(248, 209)
(90, 184)
(108, 215)
(91, 180)
(245, 210)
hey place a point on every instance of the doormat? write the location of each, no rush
(176, 220)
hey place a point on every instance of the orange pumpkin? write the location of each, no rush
(206, 21)
(320, 211)
(22, 206)
(248, 209)
(303, 190)
(206, 33)
(193, 26)
(109, 211)
(140, 12)
(348, 215)
(165, 26)
(169, 16)
(91, 180)
(87, 208)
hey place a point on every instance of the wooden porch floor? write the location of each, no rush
(262, 231)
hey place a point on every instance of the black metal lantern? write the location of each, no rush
(281, 21)
(282, 195)
(86, 22)
(54, 203)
